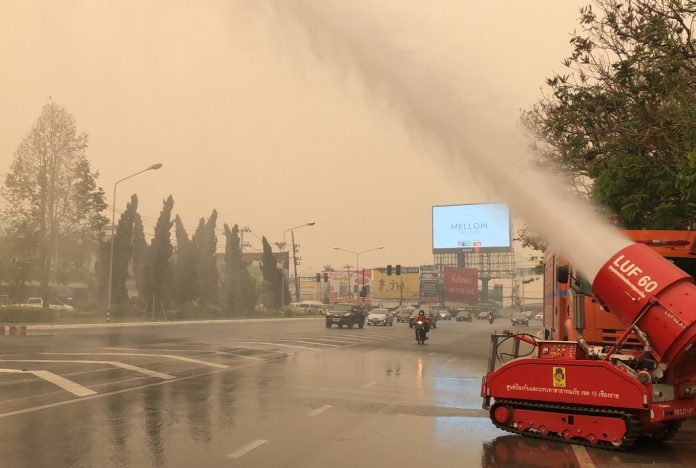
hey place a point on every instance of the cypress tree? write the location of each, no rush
(140, 257)
(239, 287)
(160, 252)
(123, 249)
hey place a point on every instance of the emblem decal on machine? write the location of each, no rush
(559, 377)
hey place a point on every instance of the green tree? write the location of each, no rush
(239, 287)
(123, 251)
(622, 119)
(272, 279)
(184, 267)
(205, 245)
(158, 273)
(52, 197)
(140, 257)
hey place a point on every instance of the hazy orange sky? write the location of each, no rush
(267, 135)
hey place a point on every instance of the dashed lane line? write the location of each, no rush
(67, 385)
(280, 344)
(168, 356)
(583, 456)
(370, 384)
(246, 449)
(318, 411)
(122, 365)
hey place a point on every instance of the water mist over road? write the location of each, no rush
(431, 103)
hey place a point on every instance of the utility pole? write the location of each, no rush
(294, 262)
(243, 244)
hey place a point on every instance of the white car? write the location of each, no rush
(37, 302)
(539, 316)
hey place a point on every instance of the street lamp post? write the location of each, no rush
(154, 167)
(357, 263)
(294, 261)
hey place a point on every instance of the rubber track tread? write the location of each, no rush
(631, 419)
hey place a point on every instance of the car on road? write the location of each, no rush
(483, 315)
(444, 315)
(519, 318)
(403, 314)
(56, 304)
(464, 316)
(380, 317)
(539, 316)
(347, 315)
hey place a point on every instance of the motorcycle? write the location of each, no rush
(421, 332)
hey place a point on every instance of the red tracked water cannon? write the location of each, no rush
(651, 295)
(609, 397)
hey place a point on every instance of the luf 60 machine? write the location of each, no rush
(608, 396)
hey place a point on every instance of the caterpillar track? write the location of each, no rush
(631, 420)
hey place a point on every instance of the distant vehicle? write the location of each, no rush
(37, 303)
(445, 315)
(520, 318)
(403, 314)
(346, 315)
(380, 317)
(311, 307)
(432, 319)
(34, 302)
(539, 316)
(464, 316)
(483, 315)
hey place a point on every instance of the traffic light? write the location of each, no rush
(398, 269)
(318, 277)
(389, 270)
(326, 277)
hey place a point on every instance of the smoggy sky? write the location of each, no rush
(259, 129)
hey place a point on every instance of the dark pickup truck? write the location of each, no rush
(346, 314)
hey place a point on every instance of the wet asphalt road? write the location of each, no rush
(271, 394)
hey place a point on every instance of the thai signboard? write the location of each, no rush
(404, 287)
(461, 284)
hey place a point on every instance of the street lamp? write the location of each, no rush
(294, 261)
(357, 264)
(154, 167)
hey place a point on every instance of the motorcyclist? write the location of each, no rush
(426, 323)
(490, 317)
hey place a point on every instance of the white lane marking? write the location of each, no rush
(336, 340)
(125, 390)
(313, 342)
(246, 449)
(370, 385)
(122, 365)
(318, 411)
(168, 356)
(583, 456)
(65, 384)
(279, 344)
(218, 353)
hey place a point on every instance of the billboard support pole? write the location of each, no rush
(401, 290)
(362, 291)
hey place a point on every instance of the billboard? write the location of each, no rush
(471, 228)
(405, 287)
(429, 283)
(461, 284)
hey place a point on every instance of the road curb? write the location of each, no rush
(80, 326)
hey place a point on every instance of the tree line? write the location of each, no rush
(53, 227)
